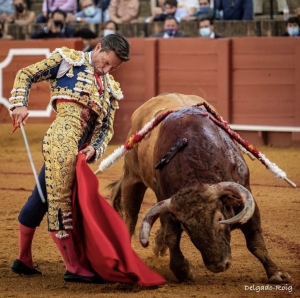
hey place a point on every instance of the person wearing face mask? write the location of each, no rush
(89, 13)
(204, 10)
(89, 38)
(170, 29)
(56, 27)
(292, 27)
(110, 27)
(206, 28)
(21, 16)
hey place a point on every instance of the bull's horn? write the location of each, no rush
(153, 214)
(240, 191)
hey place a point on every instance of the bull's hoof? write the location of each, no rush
(280, 277)
(186, 276)
(184, 272)
(191, 275)
(159, 250)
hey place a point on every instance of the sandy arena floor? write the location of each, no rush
(279, 206)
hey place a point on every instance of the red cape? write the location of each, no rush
(101, 235)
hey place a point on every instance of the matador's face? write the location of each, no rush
(105, 62)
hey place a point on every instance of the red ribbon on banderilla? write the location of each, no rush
(131, 142)
(245, 146)
(218, 120)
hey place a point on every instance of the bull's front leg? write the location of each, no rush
(170, 235)
(132, 197)
(256, 245)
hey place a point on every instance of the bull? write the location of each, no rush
(202, 185)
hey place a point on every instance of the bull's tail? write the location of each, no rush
(115, 195)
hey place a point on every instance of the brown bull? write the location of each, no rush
(201, 182)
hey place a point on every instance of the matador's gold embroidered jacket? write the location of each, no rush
(76, 83)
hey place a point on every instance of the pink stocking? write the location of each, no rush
(67, 250)
(25, 240)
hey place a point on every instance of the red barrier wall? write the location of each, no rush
(196, 66)
(249, 80)
(265, 83)
(138, 83)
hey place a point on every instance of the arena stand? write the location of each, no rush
(259, 26)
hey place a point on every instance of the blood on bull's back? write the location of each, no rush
(210, 156)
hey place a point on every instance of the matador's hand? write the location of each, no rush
(18, 116)
(89, 152)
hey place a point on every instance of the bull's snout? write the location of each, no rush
(220, 267)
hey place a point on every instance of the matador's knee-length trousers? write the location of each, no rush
(71, 128)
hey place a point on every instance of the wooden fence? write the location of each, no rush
(263, 27)
(253, 82)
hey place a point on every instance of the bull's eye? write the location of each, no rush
(220, 218)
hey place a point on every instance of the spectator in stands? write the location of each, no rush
(236, 9)
(170, 9)
(292, 27)
(6, 7)
(204, 10)
(206, 28)
(124, 11)
(87, 36)
(56, 27)
(110, 27)
(90, 13)
(170, 29)
(21, 16)
(3, 34)
(258, 6)
(49, 6)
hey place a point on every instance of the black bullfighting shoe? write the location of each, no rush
(72, 277)
(20, 268)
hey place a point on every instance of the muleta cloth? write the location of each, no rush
(101, 235)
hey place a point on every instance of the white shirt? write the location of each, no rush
(187, 4)
(180, 13)
(65, 66)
